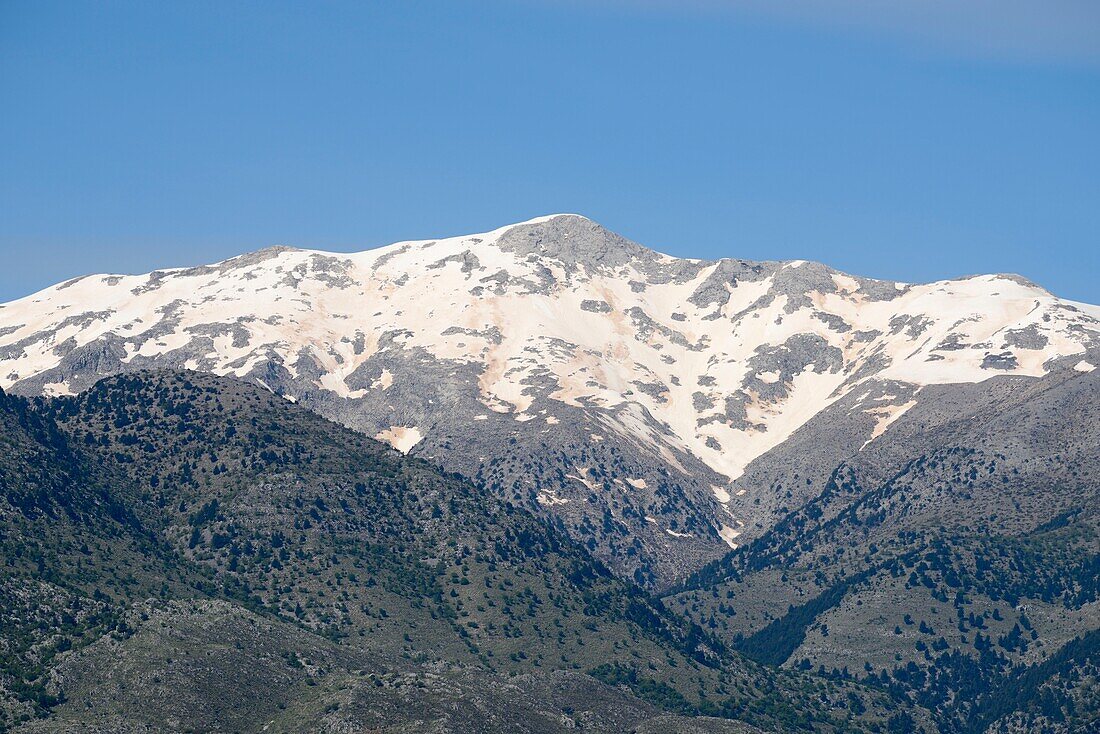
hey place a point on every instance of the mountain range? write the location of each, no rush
(652, 488)
(624, 393)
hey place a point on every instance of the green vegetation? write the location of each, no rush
(983, 613)
(153, 495)
(165, 532)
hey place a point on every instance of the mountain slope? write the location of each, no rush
(254, 563)
(619, 391)
(954, 561)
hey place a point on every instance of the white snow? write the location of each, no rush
(885, 415)
(339, 310)
(402, 438)
(729, 534)
(385, 379)
(549, 500)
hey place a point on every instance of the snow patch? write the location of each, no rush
(549, 500)
(886, 415)
(729, 534)
(384, 380)
(402, 438)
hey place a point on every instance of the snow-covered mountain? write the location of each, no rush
(618, 390)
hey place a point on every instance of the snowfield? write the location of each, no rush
(731, 373)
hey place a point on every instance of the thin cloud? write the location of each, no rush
(1032, 31)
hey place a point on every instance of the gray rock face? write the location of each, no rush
(575, 241)
(595, 306)
(579, 244)
(1027, 338)
(1002, 361)
(714, 290)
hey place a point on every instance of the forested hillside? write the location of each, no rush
(164, 532)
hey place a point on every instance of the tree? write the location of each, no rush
(901, 723)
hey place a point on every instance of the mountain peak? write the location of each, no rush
(573, 240)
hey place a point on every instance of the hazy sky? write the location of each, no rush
(909, 140)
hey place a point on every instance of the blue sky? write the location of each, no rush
(906, 141)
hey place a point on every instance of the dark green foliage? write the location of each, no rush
(1032, 692)
(774, 644)
(647, 689)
